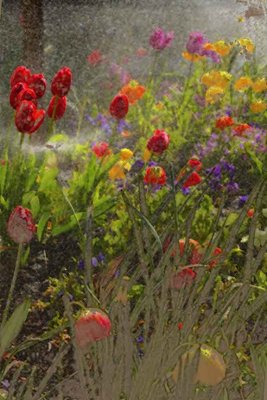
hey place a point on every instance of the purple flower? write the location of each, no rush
(233, 187)
(242, 200)
(137, 166)
(186, 190)
(211, 54)
(122, 125)
(140, 339)
(101, 257)
(159, 39)
(5, 384)
(94, 262)
(195, 43)
(80, 264)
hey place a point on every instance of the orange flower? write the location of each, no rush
(191, 57)
(133, 91)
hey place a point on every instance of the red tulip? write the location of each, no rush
(57, 107)
(61, 82)
(101, 149)
(27, 94)
(28, 119)
(119, 106)
(93, 325)
(195, 164)
(38, 117)
(15, 91)
(224, 122)
(20, 226)
(38, 84)
(192, 180)
(24, 118)
(20, 74)
(155, 176)
(159, 142)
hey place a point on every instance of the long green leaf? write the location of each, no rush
(151, 227)
(12, 327)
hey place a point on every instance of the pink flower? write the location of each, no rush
(159, 39)
(20, 226)
(182, 278)
(95, 58)
(195, 43)
(93, 325)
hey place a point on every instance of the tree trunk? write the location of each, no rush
(32, 20)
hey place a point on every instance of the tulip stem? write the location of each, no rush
(21, 140)
(12, 286)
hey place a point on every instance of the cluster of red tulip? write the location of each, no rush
(27, 88)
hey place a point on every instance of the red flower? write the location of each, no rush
(224, 122)
(95, 58)
(182, 278)
(38, 84)
(155, 176)
(192, 180)
(27, 94)
(92, 326)
(250, 212)
(38, 116)
(61, 82)
(180, 325)
(101, 149)
(24, 118)
(215, 255)
(15, 91)
(20, 226)
(195, 164)
(159, 142)
(20, 74)
(57, 107)
(119, 106)
(240, 129)
(28, 119)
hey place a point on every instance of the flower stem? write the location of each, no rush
(12, 286)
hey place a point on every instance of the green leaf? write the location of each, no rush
(12, 327)
(57, 230)
(35, 205)
(4, 203)
(151, 227)
(42, 224)
(257, 162)
(59, 137)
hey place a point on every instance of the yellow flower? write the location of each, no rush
(117, 171)
(216, 78)
(159, 106)
(258, 106)
(125, 154)
(222, 48)
(147, 155)
(260, 85)
(214, 94)
(243, 83)
(247, 44)
(191, 57)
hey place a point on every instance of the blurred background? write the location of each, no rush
(47, 34)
